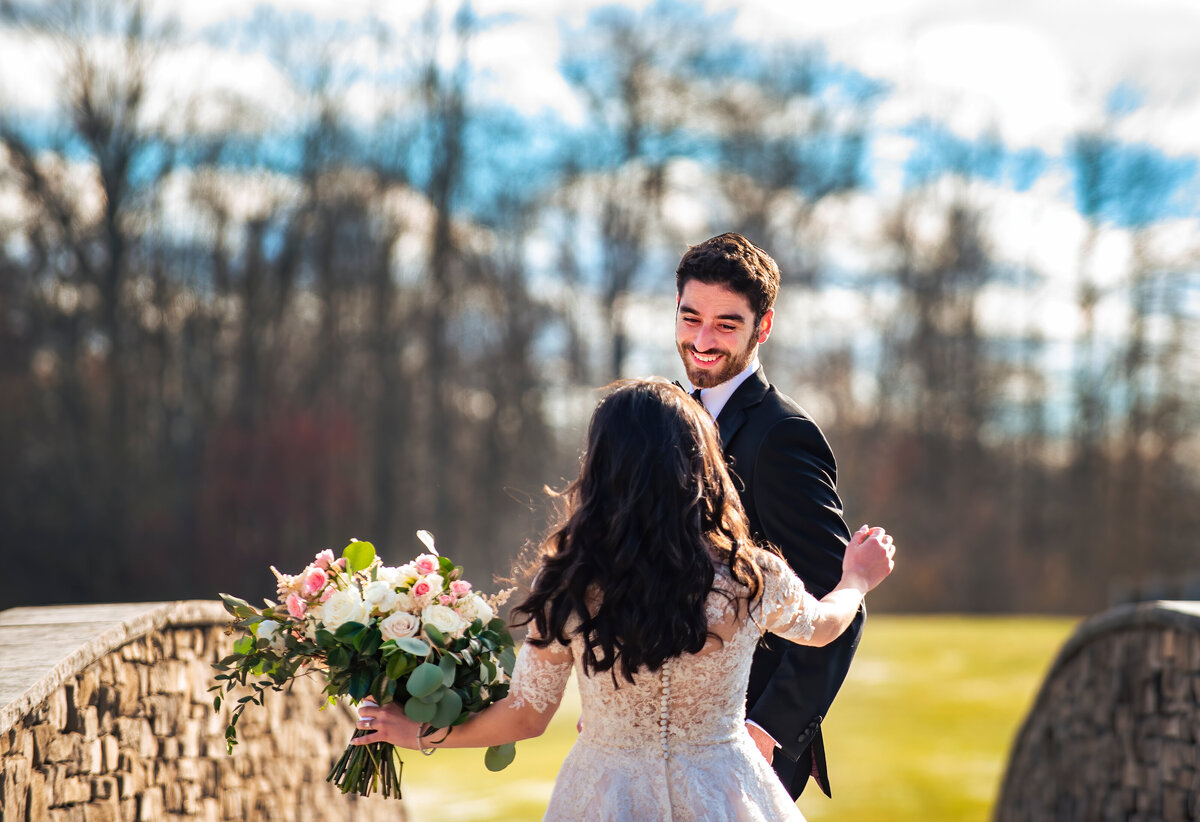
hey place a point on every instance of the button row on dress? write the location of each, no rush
(663, 715)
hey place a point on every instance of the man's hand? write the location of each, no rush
(765, 744)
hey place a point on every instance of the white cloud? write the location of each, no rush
(530, 83)
(251, 84)
(27, 76)
(1038, 71)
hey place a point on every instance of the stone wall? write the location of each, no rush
(105, 716)
(1115, 732)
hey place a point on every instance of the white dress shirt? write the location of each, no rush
(714, 398)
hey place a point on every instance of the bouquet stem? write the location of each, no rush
(366, 768)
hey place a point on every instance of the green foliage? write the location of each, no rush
(359, 555)
(440, 680)
(426, 679)
(499, 757)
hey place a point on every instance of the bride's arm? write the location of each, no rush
(796, 615)
(538, 681)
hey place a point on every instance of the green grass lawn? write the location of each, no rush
(920, 731)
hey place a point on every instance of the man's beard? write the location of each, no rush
(733, 364)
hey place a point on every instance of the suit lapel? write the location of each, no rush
(749, 394)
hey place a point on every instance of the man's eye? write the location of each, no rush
(727, 328)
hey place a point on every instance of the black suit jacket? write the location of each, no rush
(787, 479)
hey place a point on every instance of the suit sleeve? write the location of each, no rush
(798, 509)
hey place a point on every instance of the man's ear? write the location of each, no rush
(764, 325)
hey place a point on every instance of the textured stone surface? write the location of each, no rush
(1115, 731)
(105, 715)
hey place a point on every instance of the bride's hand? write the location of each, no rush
(869, 558)
(386, 724)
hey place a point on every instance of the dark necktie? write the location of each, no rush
(696, 396)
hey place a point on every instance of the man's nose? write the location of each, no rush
(705, 338)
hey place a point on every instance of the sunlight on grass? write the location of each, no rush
(920, 731)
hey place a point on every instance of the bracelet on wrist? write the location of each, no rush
(421, 730)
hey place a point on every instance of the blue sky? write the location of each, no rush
(1001, 87)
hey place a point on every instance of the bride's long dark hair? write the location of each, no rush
(633, 557)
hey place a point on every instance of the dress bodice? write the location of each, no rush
(672, 745)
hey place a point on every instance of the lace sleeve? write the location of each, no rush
(788, 610)
(540, 676)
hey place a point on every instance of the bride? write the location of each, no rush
(652, 590)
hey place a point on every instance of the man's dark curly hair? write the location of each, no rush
(736, 263)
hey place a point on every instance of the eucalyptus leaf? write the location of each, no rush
(418, 711)
(433, 697)
(448, 710)
(423, 681)
(358, 555)
(499, 757)
(436, 636)
(236, 606)
(412, 645)
(449, 669)
(507, 659)
(398, 666)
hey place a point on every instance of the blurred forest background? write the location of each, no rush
(238, 326)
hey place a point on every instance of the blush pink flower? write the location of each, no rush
(427, 589)
(426, 564)
(445, 599)
(314, 580)
(324, 559)
(460, 587)
(328, 593)
(296, 606)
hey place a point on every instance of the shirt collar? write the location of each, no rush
(714, 398)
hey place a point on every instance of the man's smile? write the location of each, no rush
(704, 360)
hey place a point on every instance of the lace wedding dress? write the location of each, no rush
(673, 745)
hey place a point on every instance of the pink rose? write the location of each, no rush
(314, 580)
(460, 587)
(445, 599)
(426, 589)
(341, 563)
(296, 606)
(324, 559)
(328, 593)
(426, 564)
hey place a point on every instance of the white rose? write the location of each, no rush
(444, 619)
(404, 602)
(378, 592)
(268, 629)
(407, 574)
(475, 607)
(399, 625)
(389, 574)
(344, 606)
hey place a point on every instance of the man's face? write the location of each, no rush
(715, 332)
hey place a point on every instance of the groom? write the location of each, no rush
(787, 478)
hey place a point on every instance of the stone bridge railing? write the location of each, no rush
(1115, 731)
(105, 716)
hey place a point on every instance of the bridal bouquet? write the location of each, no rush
(418, 635)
